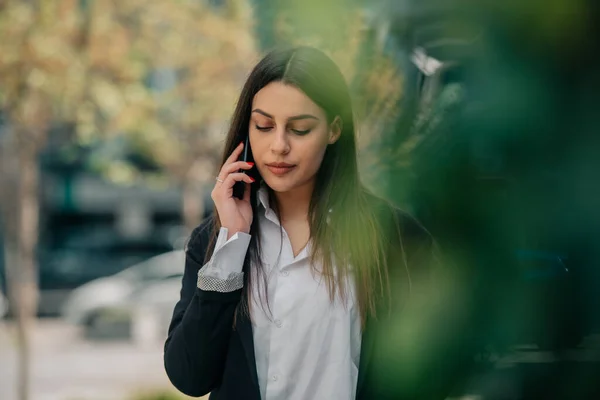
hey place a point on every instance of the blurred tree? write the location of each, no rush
(162, 74)
(191, 60)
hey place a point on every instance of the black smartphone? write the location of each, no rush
(239, 187)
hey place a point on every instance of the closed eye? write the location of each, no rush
(263, 128)
(299, 132)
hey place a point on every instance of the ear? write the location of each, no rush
(335, 130)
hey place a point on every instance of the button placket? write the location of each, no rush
(278, 326)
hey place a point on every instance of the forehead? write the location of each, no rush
(283, 101)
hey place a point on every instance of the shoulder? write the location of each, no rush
(404, 223)
(413, 234)
(409, 242)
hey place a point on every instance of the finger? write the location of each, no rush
(235, 154)
(225, 189)
(225, 169)
(247, 192)
(236, 177)
(235, 167)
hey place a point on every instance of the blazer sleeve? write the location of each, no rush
(201, 326)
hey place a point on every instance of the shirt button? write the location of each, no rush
(274, 377)
(278, 323)
(285, 273)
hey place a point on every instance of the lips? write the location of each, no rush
(280, 168)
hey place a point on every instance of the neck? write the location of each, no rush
(293, 205)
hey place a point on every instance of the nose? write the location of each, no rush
(280, 143)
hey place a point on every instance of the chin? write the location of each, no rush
(280, 185)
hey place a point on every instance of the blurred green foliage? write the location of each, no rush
(501, 162)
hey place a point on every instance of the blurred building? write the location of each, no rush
(91, 227)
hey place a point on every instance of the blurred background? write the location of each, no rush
(479, 117)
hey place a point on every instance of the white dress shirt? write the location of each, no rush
(306, 347)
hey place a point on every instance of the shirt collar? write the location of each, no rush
(262, 198)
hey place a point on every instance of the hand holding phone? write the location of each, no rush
(235, 213)
(239, 187)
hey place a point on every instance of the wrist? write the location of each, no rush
(233, 230)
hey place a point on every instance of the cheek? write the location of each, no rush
(313, 154)
(257, 145)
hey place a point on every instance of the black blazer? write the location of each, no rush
(204, 353)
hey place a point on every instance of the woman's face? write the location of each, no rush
(288, 136)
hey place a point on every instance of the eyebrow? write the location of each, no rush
(294, 118)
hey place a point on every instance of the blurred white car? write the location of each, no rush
(151, 311)
(84, 303)
(143, 317)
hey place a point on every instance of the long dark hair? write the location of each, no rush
(348, 236)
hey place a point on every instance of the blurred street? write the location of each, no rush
(68, 367)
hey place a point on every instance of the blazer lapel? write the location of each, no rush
(244, 328)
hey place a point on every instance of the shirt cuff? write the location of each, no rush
(223, 273)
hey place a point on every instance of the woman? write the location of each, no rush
(285, 288)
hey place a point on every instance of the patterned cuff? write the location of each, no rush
(206, 282)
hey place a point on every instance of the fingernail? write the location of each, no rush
(250, 164)
(242, 142)
(252, 179)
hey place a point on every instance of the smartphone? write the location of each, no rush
(239, 187)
